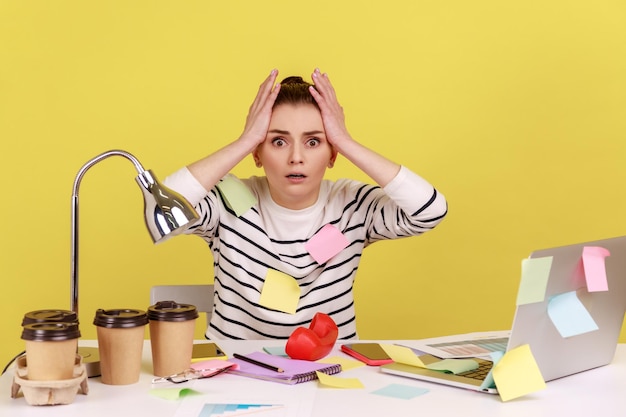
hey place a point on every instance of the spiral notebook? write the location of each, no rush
(295, 370)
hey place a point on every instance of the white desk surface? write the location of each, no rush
(599, 392)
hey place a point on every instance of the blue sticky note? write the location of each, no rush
(275, 350)
(488, 382)
(569, 315)
(405, 392)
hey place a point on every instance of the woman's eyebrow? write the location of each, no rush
(286, 132)
(279, 131)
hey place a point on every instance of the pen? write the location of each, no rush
(257, 363)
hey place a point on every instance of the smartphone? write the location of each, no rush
(370, 353)
(206, 351)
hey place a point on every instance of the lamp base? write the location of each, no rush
(91, 360)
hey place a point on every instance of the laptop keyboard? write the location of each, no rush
(479, 373)
(473, 347)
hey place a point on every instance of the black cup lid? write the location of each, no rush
(49, 316)
(50, 332)
(172, 311)
(120, 318)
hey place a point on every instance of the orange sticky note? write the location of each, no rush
(326, 243)
(280, 292)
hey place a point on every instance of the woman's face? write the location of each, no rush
(295, 155)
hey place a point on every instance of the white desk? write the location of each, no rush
(599, 392)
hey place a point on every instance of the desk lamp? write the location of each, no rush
(167, 214)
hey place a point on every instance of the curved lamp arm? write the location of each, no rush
(167, 213)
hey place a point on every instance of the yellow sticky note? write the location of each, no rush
(336, 382)
(236, 195)
(406, 356)
(402, 354)
(517, 374)
(280, 292)
(346, 364)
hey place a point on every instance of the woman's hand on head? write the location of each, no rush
(332, 112)
(260, 112)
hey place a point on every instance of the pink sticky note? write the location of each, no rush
(595, 269)
(326, 243)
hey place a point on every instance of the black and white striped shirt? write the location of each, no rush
(269, 236)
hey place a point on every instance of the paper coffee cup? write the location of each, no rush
(120, 342)
(172, 328)
(50, 316)
(50, 350)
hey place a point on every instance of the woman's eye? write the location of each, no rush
(311, 143)
(278, 142)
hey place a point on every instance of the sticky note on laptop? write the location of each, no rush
(595, 268)
(517, 374)
(406, 356)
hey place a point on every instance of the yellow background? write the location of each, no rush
(515, 110)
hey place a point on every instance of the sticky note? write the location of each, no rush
(326, 243)
(236, 195)
(346, 364)
(172, 393)
(275, 350)
(517, 374)
(406, 356)
(337, 382)
(280, 292)
(535, 273)
(402, 354)
(569, 315)
(595, 268)
(405, 392)
(488, 382)
(455, 366)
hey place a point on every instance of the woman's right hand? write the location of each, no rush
(260, 112)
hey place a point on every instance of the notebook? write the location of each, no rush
(295, 370)
(555, 355)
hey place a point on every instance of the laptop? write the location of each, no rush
(556, 356)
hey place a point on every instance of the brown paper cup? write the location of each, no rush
(51, 360)
(172, 328)
(120, 341)
(120, 354)
(172, 343)
(50, 350)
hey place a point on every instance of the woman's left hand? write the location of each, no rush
(332, 112)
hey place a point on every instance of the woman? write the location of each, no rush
(294, 131)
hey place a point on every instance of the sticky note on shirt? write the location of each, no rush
(280, 292)
(569, 315)
(326, 243)
(236, 195)
(517, 374)
(595, 268)
(535, 273)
